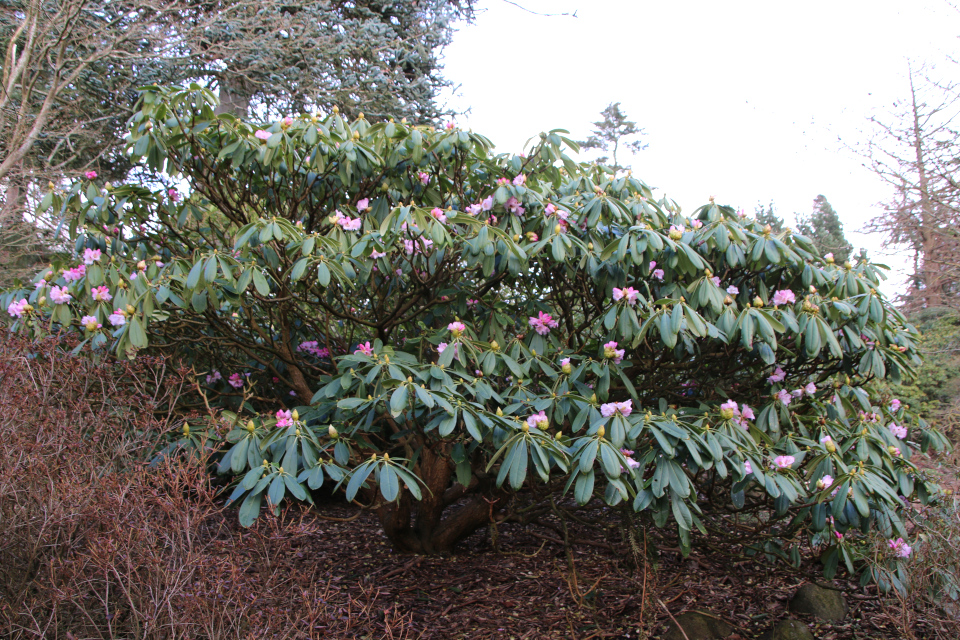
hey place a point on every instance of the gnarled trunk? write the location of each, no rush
(420, 526)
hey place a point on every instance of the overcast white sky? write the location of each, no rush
(748, 101)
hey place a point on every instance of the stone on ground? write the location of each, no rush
(788, 630)
(825, 604)
(698, 626)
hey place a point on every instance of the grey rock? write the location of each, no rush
(825, 604)
(788, 630)
(698, 626)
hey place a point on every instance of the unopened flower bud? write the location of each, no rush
(728, 300)
(708, 273)
(250, 426)
(296, 415)
(186, 429)
(567, 369)
(558, 228)
(336, 109)
(589, 246)
(131, 309)
(525, 427)
(373, 457)
(593, 398)
(332, 432)
(848, 265)
(812, 289)
(494, 345)
(767, 229)
(516, 237)
(601, 431)
(758, 301)
(499, 412)
(297, 433)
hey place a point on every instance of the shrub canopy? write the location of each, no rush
(397, 310)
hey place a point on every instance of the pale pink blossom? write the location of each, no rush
(897, 430)
(76, 273)
(894, 405)
(732, 290)
(676, 231)
(16, 309)
(828, 257)
(213, 376)
(784, 396)
(60, 295)
(519, 180)
(747, 413)
(784, 296)
(443, 346)
(825, 482)
(728, 410)
(777, 376)
(696, 224)
(101, 294)
(538, 421)
(287, 121)
(41, 284)
(513, 206)
(90, 175)
(449, 125)
(235, 380)
(810, 389)
(629, 293)
(900, 548)
(438, 214)
(348, 224)
(653, 265)
(796, 393)
(377, 254)
(783, 462)
(261, 135)
(542, 323)
(747, 467)
(363, 205)
(117, 319)
(474, 209)
(611, 352)
(456, 328)
(313, 348)
(424, 178)
(613, 408)
(487, 203)
(364, 349)
(90, 256)
(284, 419)
(173, 194)
(715, 280)
(658, 274)
(90, 323)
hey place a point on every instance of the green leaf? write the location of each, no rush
(398, 401)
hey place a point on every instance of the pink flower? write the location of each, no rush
(777, 376)
(117, 319)
(653, 265)
(348, 224)
(90, 322)
(424, 178)
(503, 181)
(363, 205)
(72, 275)
(810, 389)
(658, 274)
(90, 175)
(377, 254)
(284, 419)
(519, 180)
(438, 214)
(629, 293)
(894, 405)
(487, 203)
(825, 482)
(213, 376)
(286, 122)
(784, 396)
(613, 408)
(538, 421)
(747, 413)
(828, 257)
(364, 349)
(897, 430)
(60, 295)
(449, 125)
(676, 231)
(474, 209)
(900, 548)
(17, 309)
(783, 462)
(261, 135)
(732, 290)
(493, 219)
(90, 256)
(41, 284)
(101, 294)
(611, 352)
(235, 380)
(543, 323)
(456, 328)
(728, 410)
(514, 207)
(747, 467)
(784, 296)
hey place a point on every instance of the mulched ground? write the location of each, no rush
(525, 589)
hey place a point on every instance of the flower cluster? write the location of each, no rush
(898, 430)
(76, 273)
(348, 224)
(730, 411)
(900, 548)
(18, 308)
(611, 352)
(542, 323)
(313, 348)
(284, 419)
(364, 349)
(60, 295)
(236, 380)
(784, 296)
(629, 294)
(538, 421)
(614, 408)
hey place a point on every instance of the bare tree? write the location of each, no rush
(916, 153)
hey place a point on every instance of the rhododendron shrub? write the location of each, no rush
(457, 327)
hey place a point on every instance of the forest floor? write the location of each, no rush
(525, 588)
